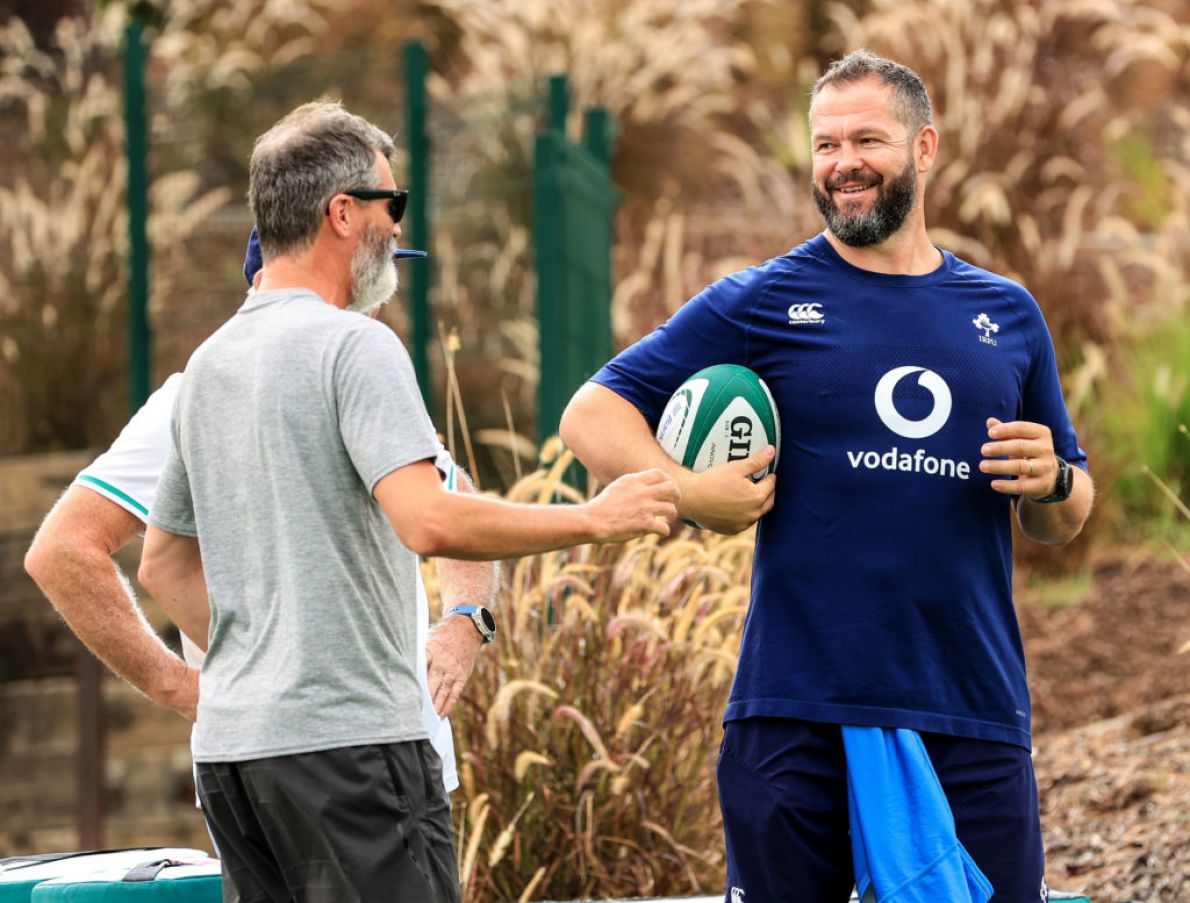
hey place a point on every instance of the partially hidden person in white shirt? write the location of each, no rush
(108, 505)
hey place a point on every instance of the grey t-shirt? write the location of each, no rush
(287, 418)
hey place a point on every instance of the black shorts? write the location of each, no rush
(349, 825)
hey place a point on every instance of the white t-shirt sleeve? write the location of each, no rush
(127, 472)
(447, 467)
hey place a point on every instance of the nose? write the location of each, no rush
(396, 230)
(849, 160)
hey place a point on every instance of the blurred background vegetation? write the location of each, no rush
(1065, 164)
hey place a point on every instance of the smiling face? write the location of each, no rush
(868, 166)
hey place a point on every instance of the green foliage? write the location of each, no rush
(1150, 200)
(1140, 420)
(1057, 591)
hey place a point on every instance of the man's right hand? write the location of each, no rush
(633, 505)
(725, 499)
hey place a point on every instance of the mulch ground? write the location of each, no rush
(1111, 698)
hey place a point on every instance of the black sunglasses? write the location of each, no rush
(397, 199)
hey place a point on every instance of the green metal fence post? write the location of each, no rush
(547, 249)
(598, 316)
(574, 205)
(136, 146)
(418, 144)
(597, 134)
(547, 246)
(558, 104)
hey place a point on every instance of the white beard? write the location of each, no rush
(373, 274)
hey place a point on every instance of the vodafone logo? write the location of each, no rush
(911, 461)
(808, 313)
(902, 426)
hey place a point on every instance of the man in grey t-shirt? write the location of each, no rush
(302, 468)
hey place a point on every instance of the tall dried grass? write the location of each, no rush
(588, 734)
(64, 235)
(667, 73)
(647, 61)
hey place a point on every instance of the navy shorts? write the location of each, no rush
(783, 792)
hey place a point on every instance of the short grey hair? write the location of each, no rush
(314, 153)
(911, 101)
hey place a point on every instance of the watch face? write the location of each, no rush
(1065, 478)
(488, 620)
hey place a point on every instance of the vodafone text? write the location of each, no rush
(917, 462)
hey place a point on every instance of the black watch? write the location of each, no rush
(1063, 486)
(483, 619)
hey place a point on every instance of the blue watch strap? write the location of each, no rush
(462, 610)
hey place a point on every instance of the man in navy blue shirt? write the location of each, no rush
(922, 410)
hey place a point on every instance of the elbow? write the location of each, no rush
(570, 427)
(428, 537)
(566, 426)
(39, 560)
(1052, 540)
(48, 556)
(148, 574)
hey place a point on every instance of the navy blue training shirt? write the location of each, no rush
(882, 585)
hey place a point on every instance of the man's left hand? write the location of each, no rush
(450, 657)
(1024, 450)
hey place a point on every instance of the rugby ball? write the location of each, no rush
(722, 413)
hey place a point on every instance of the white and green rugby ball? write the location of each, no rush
(722, 413)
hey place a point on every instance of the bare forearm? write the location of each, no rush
(467, 582)
(95, 599)
(435, 522)
(477, 528)
(71, 560)
(611, 437)
(1058, 523)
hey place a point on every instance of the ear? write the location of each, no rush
(341, 215)
(925, 148)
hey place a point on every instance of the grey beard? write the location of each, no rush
(886, 216)
(373, 279)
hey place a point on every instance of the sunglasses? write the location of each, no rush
(397, 199)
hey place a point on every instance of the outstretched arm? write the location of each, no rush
(433, 521)
(71, 560)
(611, 437)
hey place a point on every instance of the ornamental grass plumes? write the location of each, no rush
(588, 734)
(63, 216)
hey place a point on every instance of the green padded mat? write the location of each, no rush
(20, 876)
(173, 884)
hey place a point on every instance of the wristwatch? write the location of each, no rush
(1063, 486)
(483, 619)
